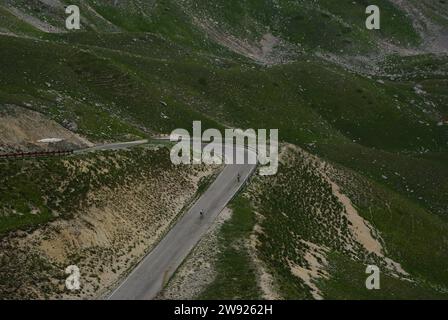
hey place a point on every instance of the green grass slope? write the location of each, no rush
(146, 67)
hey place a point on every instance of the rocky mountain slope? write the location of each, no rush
(364, 113)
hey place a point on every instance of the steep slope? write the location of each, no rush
(371, 104)
(101, 212)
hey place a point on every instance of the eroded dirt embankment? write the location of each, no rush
(313, 218)
(25, 130)
(105, 236)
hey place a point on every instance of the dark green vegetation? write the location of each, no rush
(348, 277)
(143, 67)
(411, 233)
(300, 213)
(324, 24)
(237, 278)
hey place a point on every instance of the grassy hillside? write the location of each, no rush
(33, 192)
(100, 211)
(324, 24)
(293, 223)
(371, 103)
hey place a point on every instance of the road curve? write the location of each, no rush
(152, 273)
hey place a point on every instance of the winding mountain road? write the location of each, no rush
(113, 146)
(152, 273)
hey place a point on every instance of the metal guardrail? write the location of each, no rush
(36, 154)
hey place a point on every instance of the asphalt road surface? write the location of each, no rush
(113, 146)
(153, 272)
